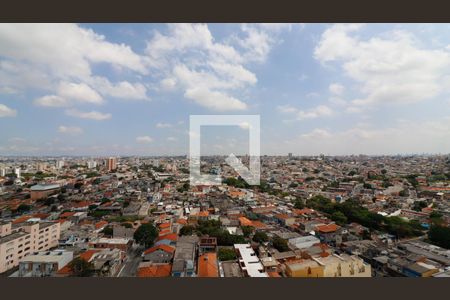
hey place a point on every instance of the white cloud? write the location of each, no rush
(317, 133)
(71, 56)
(172, 139)
(392, 68)
(257, 42)
(287, 108)
(316, 112)
(5, 111)
(144, 139)
(72, 130)
(168, 84)
(51, 101)
(92, 115)
(336, 88)
(124, 90)
(319, 111)
(214, 100)
(163, 125)
(79, 92)
(189, 59)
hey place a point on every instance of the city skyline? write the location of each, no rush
(128, 89)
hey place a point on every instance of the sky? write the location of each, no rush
(129, 89)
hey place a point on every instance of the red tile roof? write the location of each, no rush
(21, 219)
(162, 247)
(162, 270)
(304, 211)
(67, 214)
(87, 255)
(207, 265)
(100, 224)
(245, 222)
(328, 228)
(170, 236)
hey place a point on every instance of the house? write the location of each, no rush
(304, 268)
(207, 265)
(148, 269)
(328, 232)
(303, 242)
(112, 243)
(44, 263)
(207, 244)
(184, 258)
(248, 261)
(159, 254)
(285, 219)
(167, 239)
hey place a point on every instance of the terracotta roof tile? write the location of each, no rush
(207, 265)
(162, 247)
(162, 270)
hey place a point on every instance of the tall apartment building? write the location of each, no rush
(2, 172)
(60, 164)
(111, 164)
(17, 172)
(91, 164)
(20, 240)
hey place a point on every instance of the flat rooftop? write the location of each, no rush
(12, 237)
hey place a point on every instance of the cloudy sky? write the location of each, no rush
(105, 89)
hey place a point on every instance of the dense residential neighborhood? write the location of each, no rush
(311, 216)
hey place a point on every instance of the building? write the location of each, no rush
(304, 268)
(2, 172)
(44, 263)
(184, 258)
(207, 244)
(40, 191)
(207, 265)
(111, 164)
(248, 261)
(22, 239)
(304, 242)
(17, 172)
(115, 243)
(148, 269)
(91, 164)
(59, 164)
(344, 266)
(159, 254)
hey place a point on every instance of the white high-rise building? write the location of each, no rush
(2, 172)
(91, 164)
(17, 172)
(59, 164)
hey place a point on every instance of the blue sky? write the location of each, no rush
(126, 89)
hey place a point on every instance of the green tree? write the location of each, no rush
(247, 230)
(280, 244)
(226, 254)
(187, 230)
(339, 218)
(81, 267)
(107, 231)
(299, 204)
(440, 236)
(419, 205)
(146, 234)
(260, 237)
